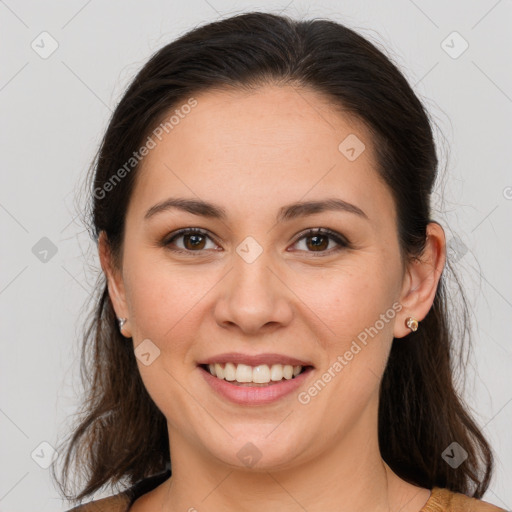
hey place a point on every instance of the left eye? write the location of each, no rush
(315, 240)
(320, 238)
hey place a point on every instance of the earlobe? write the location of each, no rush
(114, 281)
(422, 279)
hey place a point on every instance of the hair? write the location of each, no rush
(121, 434)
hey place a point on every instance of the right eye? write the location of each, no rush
(193, 240)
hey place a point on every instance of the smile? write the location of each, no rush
(254, 379)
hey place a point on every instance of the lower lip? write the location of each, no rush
(254, 395)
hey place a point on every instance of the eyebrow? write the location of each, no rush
(286, 213)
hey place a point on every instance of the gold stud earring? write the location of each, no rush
(412, 323)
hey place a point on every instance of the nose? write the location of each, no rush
(254, 297)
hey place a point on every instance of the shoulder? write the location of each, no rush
(444, 500)
(117, 503)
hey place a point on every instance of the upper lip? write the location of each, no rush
(254, 360)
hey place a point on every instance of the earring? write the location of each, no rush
(412, 323)
(121, 322)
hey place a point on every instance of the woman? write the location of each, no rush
(273, 323)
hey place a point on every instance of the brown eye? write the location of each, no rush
(318, 240)
(193, 240)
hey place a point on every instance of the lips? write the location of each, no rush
(254, 379)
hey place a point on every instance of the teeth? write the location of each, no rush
(243, 373)
(261, 374)
(276, 372)
(229, 371)
(219, 371)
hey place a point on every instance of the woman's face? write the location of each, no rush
(253, 290)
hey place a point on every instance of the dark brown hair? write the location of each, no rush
(121, 435)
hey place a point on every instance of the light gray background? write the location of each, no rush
(54, 111)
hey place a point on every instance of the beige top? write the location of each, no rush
(441, 500)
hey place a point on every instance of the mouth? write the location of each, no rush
(254, 376)
(254, 380)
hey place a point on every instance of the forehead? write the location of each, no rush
(277, 118)
(275, 144)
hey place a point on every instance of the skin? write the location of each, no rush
(251, 154)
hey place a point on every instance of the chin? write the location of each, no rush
(256, 450)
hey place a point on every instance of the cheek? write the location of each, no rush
(358, 310)
(360, 304)
(164, 298)
(165, 302)
(350, 299)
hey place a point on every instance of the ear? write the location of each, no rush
(115, 283)
(421, 280)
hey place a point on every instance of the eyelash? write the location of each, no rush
(340, 240)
